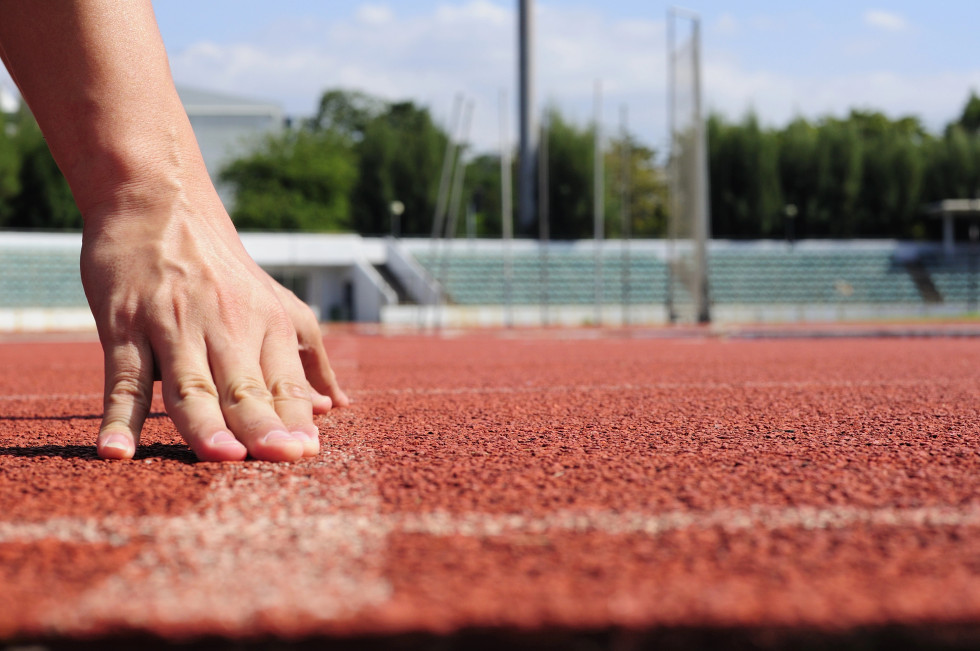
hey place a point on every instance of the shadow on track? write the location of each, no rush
(175, 451)
(155, 414)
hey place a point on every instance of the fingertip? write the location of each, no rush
(321, 403)
(279, 445)
(222, 446)
(116, 445)
(310, 436)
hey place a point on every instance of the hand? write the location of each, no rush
(175, 294)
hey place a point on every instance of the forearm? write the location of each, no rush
(96, 76)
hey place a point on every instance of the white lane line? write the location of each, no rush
(631, 522)
(272, 543)
(573, 388)
(122, 530)
(657, 386)
(31, 397)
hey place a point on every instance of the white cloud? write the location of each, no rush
(727, 24)
(374, 14)
(460, 47)
(9, 100)
(469, 47)
(885, 20)
(778, 98)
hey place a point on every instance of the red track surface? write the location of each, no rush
(529, 481)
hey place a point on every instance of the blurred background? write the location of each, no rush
(825, 122)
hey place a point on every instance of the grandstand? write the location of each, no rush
(464, 282)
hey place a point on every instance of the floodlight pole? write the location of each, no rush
(506, 212)
(525, 73)
(598, 205)
(625, 227)
(442, 201)
(544, 231)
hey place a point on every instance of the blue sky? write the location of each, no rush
(781, 59)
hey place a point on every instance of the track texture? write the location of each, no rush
(537, 485)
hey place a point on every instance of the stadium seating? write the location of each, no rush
(737, 275)
(956, 277)
(565, 278)
(40, 278)
(825, 276)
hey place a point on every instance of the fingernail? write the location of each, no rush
(223, 438)
(311, 433)
(117, 442)
(277, 436)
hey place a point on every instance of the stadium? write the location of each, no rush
(698, 413)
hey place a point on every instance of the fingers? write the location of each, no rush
(291, 393)
(321, 403)
(230, 392)
(262, 394)
(128, 394)
(191, 397)
(316, 365)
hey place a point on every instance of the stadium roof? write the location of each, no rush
(205, 102)
(954, 207)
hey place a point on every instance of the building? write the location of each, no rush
(227, 127)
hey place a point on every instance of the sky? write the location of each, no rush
(781, 59)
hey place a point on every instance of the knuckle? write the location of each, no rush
(195, 386)
(279, 324)
(309, 320)
(289, 389)
(128, 388)
(246, 390)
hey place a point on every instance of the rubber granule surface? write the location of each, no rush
(517, 488)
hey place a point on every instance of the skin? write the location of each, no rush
(174, 294)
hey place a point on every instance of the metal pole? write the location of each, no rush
(460, 174)
(625, 227)
(671, 166)
(702, 219)
(543, 217)
(506, 212)
(598, 203)
(438, 222)
(447, 168)
(525, 71)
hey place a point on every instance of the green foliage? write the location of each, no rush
(295, 181)
(647, 190)
(44, 199)
(745, 190)
(9, 170)
(399, 158)
(347, 113)
(970, 119)
(570, 178)
(482, 188)
(861, 176)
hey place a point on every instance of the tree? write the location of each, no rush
(399, 158)
(970, 118)
(570, 178)
(44, 199)
(295, 181)
(482, 193)
(891, 179)
(346, 112)
(797, 164)
(647, 194)
(9, 170)
(745, 190)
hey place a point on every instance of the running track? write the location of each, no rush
(561, 488)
